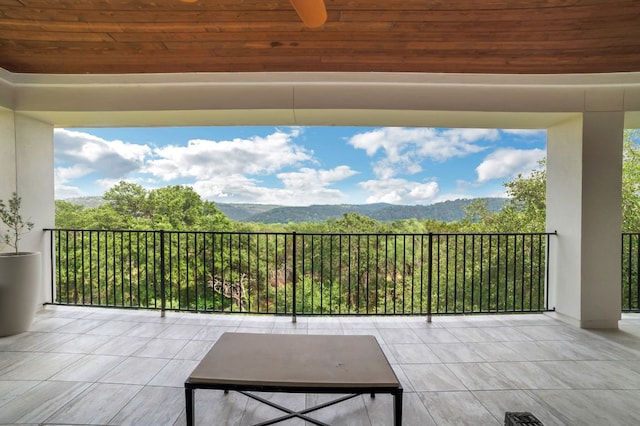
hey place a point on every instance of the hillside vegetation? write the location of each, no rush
(447, 211)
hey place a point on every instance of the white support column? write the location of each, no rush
(26, 167)
(584, 204)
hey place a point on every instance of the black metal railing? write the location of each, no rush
(301, 273)
(631, 272)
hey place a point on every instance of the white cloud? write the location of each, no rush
(65, 174)
(451, 143)
(306, 178)
(377, 139)
(404, 149)
(80, 154)
(384, 170)
(67, 191)
(112, 158)
(508, 162)
(471, 135)
(229, 171)
(240, 189)
(304, 187)
(296, 198)
(234, 186)
(422, 192)
(206, 159)
(399, 191)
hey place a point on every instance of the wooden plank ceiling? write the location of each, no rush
(466, 36)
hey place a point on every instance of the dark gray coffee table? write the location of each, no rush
(247, 362)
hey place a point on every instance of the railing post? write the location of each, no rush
(429, 277)
(163, 301)
(294, 273)
(547, 261)
(53, 262)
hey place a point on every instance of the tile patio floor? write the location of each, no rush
(80, 366)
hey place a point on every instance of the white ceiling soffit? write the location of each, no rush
(434, 100)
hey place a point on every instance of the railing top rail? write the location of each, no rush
(408, 234)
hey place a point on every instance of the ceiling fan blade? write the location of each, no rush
(312, 12)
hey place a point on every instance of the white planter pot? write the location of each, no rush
(19, 291)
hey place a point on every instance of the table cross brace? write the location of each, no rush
(292, 413)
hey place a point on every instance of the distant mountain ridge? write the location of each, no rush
(446, 211)
(313, 213)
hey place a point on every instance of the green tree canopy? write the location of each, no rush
(353, 223)
(128, 199)
(130, 206)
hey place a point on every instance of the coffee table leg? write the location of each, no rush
(397, 408)
(188, 393)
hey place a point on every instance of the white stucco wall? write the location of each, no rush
(26, 150)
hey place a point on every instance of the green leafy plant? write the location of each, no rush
(16, 225)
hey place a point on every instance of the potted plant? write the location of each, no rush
(19, 271)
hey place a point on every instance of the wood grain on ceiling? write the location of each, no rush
(434, 36)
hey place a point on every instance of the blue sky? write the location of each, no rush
(298, 165)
